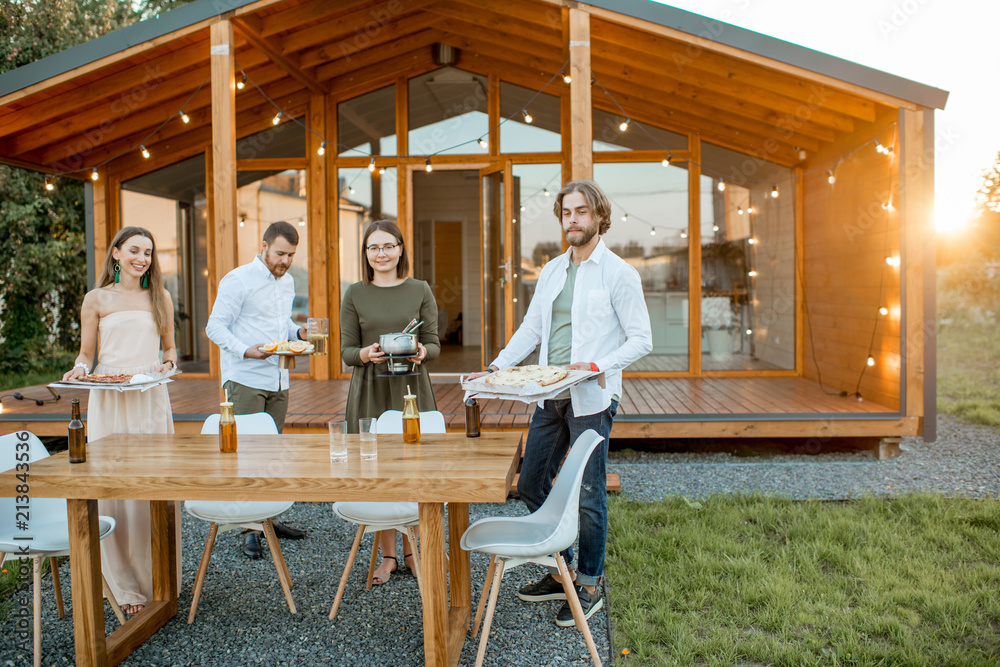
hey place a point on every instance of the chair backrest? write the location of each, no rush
(391, 421)
(562, 507)
(9, 450)
(258, 423)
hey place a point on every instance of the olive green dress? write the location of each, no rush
(367, 312)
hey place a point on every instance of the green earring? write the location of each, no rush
(118, 270)
(145, 279)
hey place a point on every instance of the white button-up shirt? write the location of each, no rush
(252, 308)
(610, 323)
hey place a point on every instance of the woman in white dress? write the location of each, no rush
(129, 317)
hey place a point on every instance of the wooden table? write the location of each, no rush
(442, 468)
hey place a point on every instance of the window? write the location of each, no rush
(448, 106)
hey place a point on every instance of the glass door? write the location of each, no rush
(497, 263)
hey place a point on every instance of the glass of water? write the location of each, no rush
(338, 441)
(369, 444)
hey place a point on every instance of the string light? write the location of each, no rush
(752, 274)
(277, 118)
(883, 311)
(751, 241)
(528, 118)
(427, 164)
(350, 189)
(774, 192)
(892, 261)
(830, 178)
(184, 117)
(566, 77)
(371, 165)
(887, 205)
(652, 231)
(666, 162)
(322, 148)
(749, 331)
(884, 150)
(142, 149)
(749, 210)
(739, 210)
(545, 191)
(94, 175)
(871, 361)
(684, 234)
(624, 125)
(381, 171)
(715, 228)
(482, 142)
(48, 184)
(242, 83)
(625, 217)
(722, 185)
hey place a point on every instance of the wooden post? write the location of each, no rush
(223, 209)
(916, 177)
(85, 579)
(581, 151)
(100, 239)
(318, 250)
(694, 255)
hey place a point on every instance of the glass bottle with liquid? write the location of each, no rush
(77, 441)
(471, 418)
(411, 419)
(227, 428)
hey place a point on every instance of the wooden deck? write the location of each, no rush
(650, 408)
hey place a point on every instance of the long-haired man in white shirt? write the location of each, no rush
(587, 313)
(252, 308)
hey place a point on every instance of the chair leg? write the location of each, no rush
(497, 577)
(347, 571)
(416, 555)
(206, 555)
(37, 582)
(574, 605)
(56, 587)
(371, 561)
(482, 596)
(279, 563)
(112, 600)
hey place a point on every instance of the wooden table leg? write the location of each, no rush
(85, 577)
(433, 591)
(460, 612)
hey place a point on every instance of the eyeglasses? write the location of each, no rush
(387, 248)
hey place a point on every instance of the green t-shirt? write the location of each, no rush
(561, 336)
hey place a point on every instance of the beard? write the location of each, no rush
(581, 239)
(276, 269)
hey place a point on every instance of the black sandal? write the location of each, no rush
(376, 579)
(405, 556)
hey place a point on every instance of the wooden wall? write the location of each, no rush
(847, 234)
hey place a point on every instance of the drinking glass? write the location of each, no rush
(318, 333)
(369, 445)
(338, 441)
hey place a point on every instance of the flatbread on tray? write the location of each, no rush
(105, 379)
(518, 376)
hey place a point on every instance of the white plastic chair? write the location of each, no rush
(226, 515)
(536, 538)
(48, 528)
(374, 517)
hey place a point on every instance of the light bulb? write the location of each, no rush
(482, 142)
(241, 84)
(715, 228)
(624, 125)
(145, 153)
(381, 171)
(652, 231)
(427, 165)
(94, 175)
(751, 241)
(184, 117)
(871, 361)
(351, 189)
(749, 209)
(749, 331)
(567, 78)
(48, 185)
(830, 178)
(666, 162)
(545, 191)
(739, 210)
(322, 148)
(684, 235)
(242, 223)
(528, 117)
(722, 185)
(883, 311)
(277, 118)
(752, 274)
(774, 192)
(371, 165)
(625, 217)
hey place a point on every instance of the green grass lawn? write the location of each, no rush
(16, 380)
(753, 580)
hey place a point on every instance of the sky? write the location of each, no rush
(948, 44)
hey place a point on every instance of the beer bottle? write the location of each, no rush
(471, 418)
(77, 441)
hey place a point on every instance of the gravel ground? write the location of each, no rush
(243, 620)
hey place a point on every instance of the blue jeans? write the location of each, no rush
(553, 431)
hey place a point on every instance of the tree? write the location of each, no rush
(42, 240)
(985, 228)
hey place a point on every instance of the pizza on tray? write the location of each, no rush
(105, 379)
(522, 375)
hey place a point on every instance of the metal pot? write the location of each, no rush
(399, 344)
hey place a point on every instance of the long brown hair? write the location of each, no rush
(155, 276)
(367, 272)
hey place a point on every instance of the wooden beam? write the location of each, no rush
(376, 57)
(319, 250)
(274, 52)
(488, 22)
(100, 239)
(224, 208)
(275, 163)
(580, 101)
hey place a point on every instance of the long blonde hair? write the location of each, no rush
(155, 276)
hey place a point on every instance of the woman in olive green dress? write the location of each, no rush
(384, 302)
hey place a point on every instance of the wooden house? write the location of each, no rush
(775, 200)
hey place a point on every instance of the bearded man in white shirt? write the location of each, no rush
(587, 313)
(252, 308)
